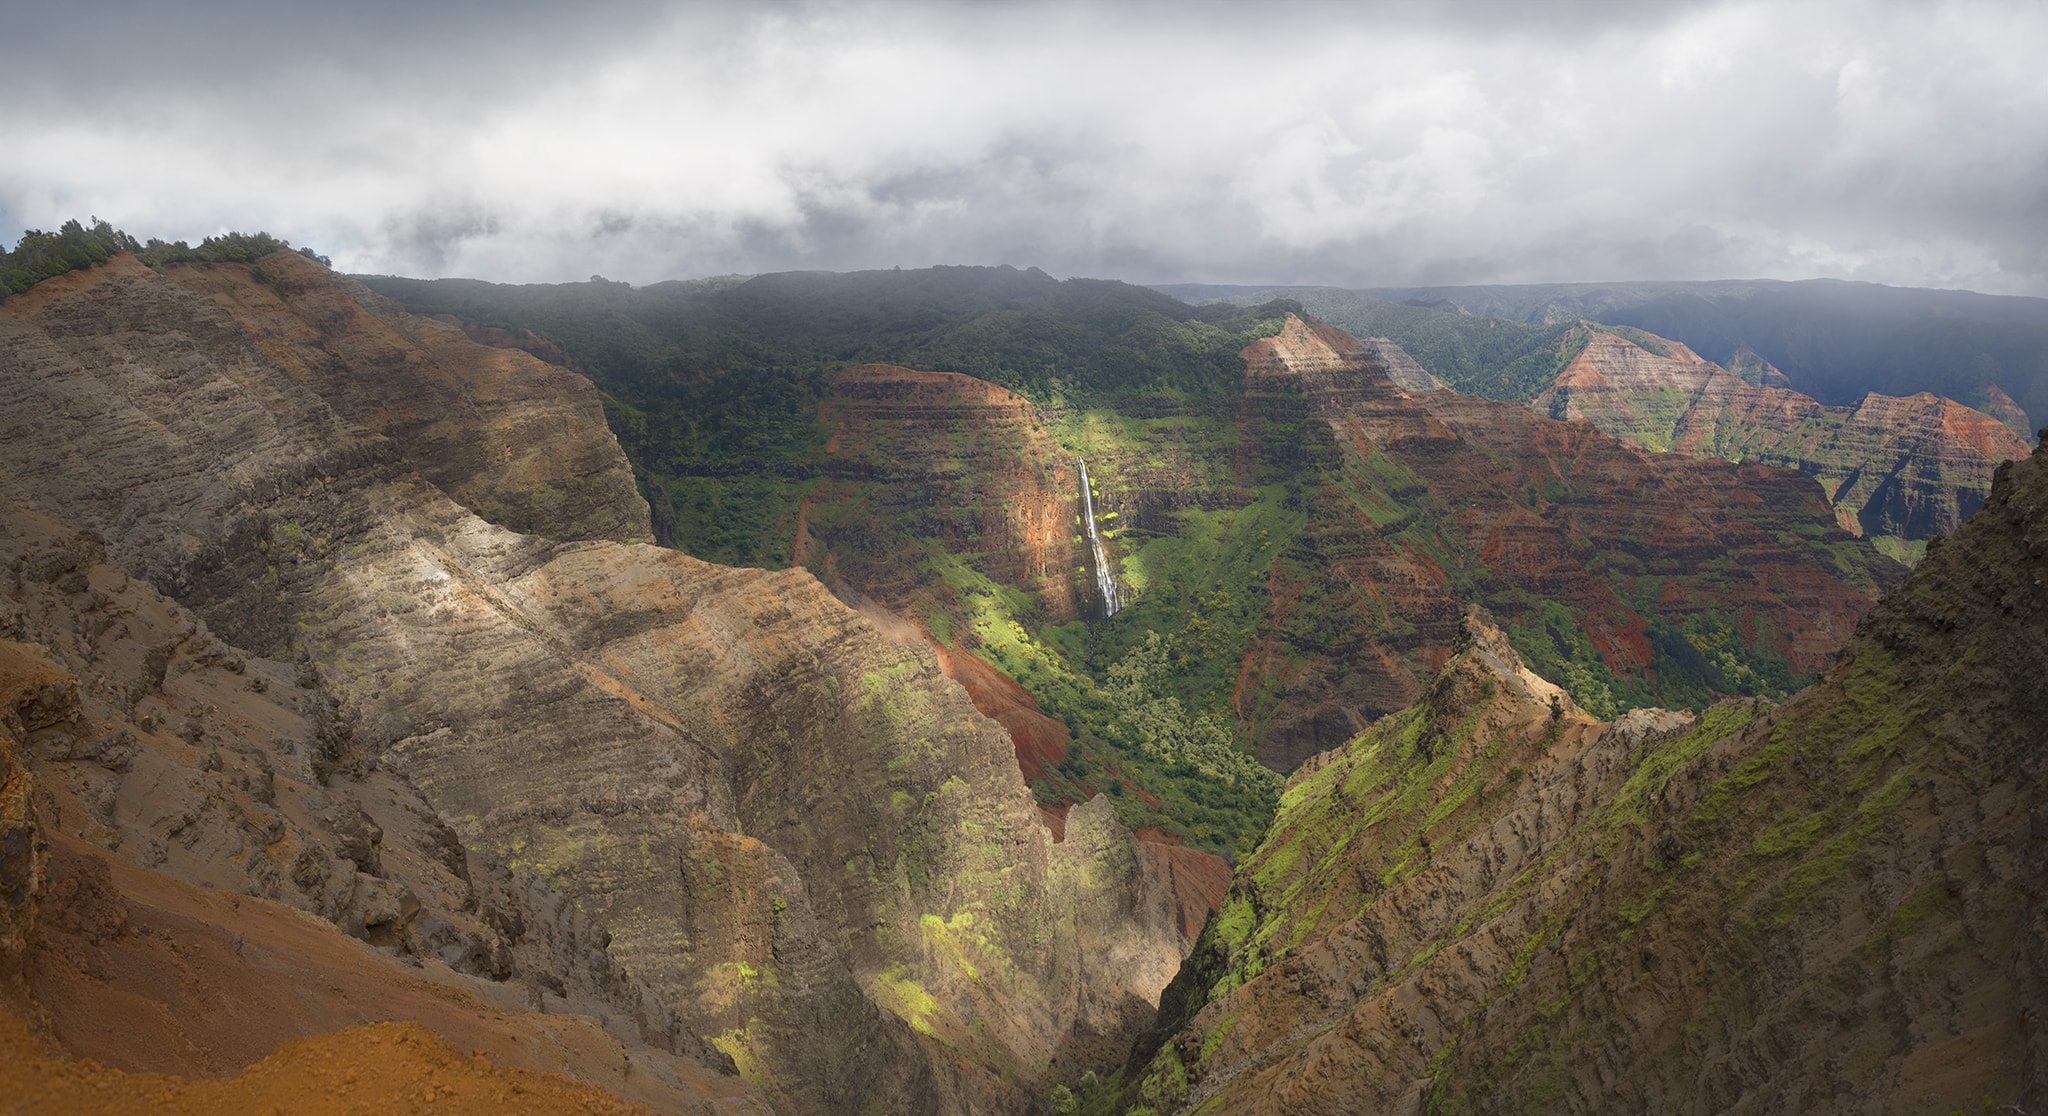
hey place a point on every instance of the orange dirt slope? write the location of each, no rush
(145, 976)
(380, 1068)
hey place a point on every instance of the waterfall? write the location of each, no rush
(1112, 593)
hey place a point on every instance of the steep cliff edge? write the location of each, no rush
(1900, 469)
(938, 458)
(1632, 577)
(1489, 903)
(791, 836)
(934, 481)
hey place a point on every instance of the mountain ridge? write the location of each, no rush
(1900, 469)
(1489, 903)
(1836, 340)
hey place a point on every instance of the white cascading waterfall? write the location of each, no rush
(1105, 581)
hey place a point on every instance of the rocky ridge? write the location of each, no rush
(1490, 902)
(1901, 469)
(1433, 498)
(792, 831)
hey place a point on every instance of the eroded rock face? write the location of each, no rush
(915, 458)
(207, 773)
(1407, 373)
(34, 695)
(1486, 903)
(1431, 498)
(946, 457)
(764, 824)
(1906, 468)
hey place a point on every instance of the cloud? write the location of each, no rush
(1377, 144)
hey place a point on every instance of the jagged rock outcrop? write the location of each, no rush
(1488, 903)
(1426, 499)
(767, 824)
(1902, 469)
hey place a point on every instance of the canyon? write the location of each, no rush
(1495, 902)
(1184, 712)
(1307, 580)
(717, 811)
(1430, 499)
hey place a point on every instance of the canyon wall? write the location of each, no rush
(1903, 469)
(1428, 500)
(1491, 902)
(783, 838)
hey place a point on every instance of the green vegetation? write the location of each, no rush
(1820, 780)
(75, 246)
(1493, 357)
(1696, 659)
(713, 386)
(1261, 564)
(1135, 738)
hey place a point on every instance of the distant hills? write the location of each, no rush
(1833, 340)
(1898, 469)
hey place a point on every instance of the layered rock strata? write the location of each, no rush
(1491, 903)
(1428, 498)
(1906, 468)
(190, 811)
(1407, 373)
(942, 458)
(796, 835)
(929, 474)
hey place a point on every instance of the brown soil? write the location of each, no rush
(147, 975)
(1041, 740)
(383, 1067)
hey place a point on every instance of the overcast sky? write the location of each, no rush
(1354, 144)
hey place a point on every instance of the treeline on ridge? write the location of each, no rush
(74, 246)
